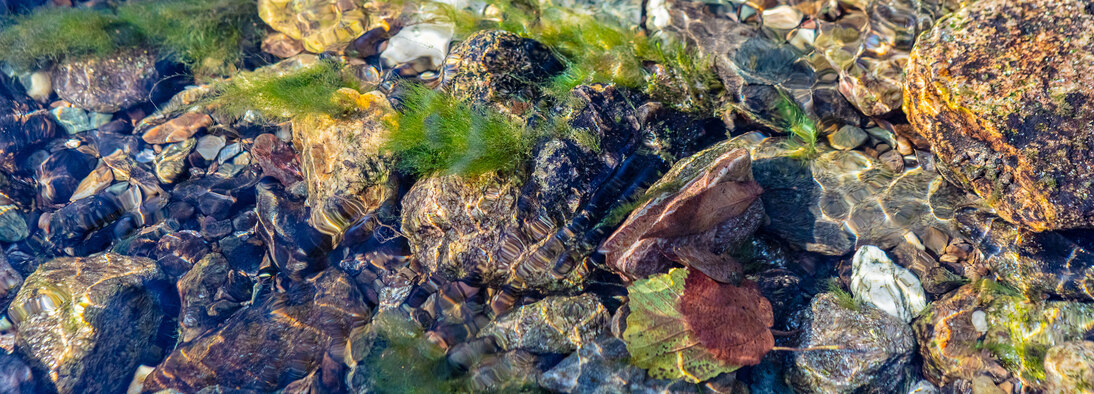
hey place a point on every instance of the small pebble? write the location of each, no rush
(209, 146)
(783, 17)
(847, 138)
(228, 152)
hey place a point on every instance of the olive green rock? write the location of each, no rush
(86, 321)
(1003, 95)
(553, 325)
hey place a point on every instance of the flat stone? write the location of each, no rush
(425, 41)
(552, 325)
(281, 45)
(38, 85)
(209, 146)
(782, 17)
(1003, 95)
(847, 138)
(172, 161)
(99, 178)
(177, 129)
(107, 84)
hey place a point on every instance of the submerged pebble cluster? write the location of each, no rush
(817, 196)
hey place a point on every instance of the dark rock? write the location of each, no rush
(874, 350)
(109, 84)
(282, 338)
(86, 321)
(23, 133)
(13, 226)
(214, 229)
(604, 366)
(177, 252)
(1008, 116)
(10, 280)
(210, 292)
(245, 221)
(15, 376)
(75, 224)
(294, 246)
(495, 66)
(60, 174)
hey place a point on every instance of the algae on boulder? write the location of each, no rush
(553, 325)
(85, 321)
(1003, 94)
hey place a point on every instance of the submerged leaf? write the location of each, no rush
(657, 337)
(733, 322)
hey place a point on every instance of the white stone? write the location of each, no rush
(38, 86)
(877, 280)
(782, 17)
(137, 384)
(658, 14)
(980, 321)
(428, 41)
(209, 146)
(923, 387)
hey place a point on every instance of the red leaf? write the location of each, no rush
(732, 322)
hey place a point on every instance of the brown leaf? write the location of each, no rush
(705, 210)
(732, 322)
(720, 267)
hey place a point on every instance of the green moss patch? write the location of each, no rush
(312, 89)
(206, 35)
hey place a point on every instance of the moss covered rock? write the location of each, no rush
(498, 66)
(1001, 90)
(86, 321)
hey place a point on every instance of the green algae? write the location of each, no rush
(435, 133)
(843, 298)
(309, 90)
(401, 360)
(209, 36)
(795, 122)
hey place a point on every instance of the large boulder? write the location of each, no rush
(874, 350)
(274, 342)
(86, 322)
(1001, 90)
(107, 84)
(553, 325)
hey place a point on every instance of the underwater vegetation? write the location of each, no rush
(798, 125)
(401, 359)
(209, 36)
(311, 89)
(436, 133)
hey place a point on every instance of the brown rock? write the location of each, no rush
(177, 129)
(281, 45)
(1002, 90)
(108, 84)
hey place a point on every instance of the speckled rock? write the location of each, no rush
(13, 226)
(1002, 95)
(108, 84)
(283, 337)
(1070, 366)
(348, 177)
(555, 324)
(887, 286)
(498, 66)
(874, 354)
(1019, 332)
(85, 321)
(171, 162)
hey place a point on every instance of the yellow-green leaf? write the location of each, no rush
(656, 336)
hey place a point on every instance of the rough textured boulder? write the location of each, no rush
(874, 356)
(1001, 90)
(498, 66)
(281, 339)
(86, 321)
(109, 84)
(552, 325)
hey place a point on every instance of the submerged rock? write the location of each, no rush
(177, 129)
(872, 352)
(23, 132)
(171, 162)
(1002, 94)
(108, 84)
(553, 325)
(887, 286)
(210, 293)
(604, 366)
(59, 176)
(15, 376)
(13, 226)
(282, 338)
(1070, 366)
(319, 24)
(1017, 334)
(87, 321)
(348, 178)
(494, 66)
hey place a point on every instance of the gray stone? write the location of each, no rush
(873, 350)
(604, 366)
(209, 146)
(84, 321)
(73, 119)
(107, 84)
(847, 138)
(13, 227)
(555, 324)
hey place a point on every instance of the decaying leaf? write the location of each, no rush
(732, 322)
(716, 210)
(657, 336)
